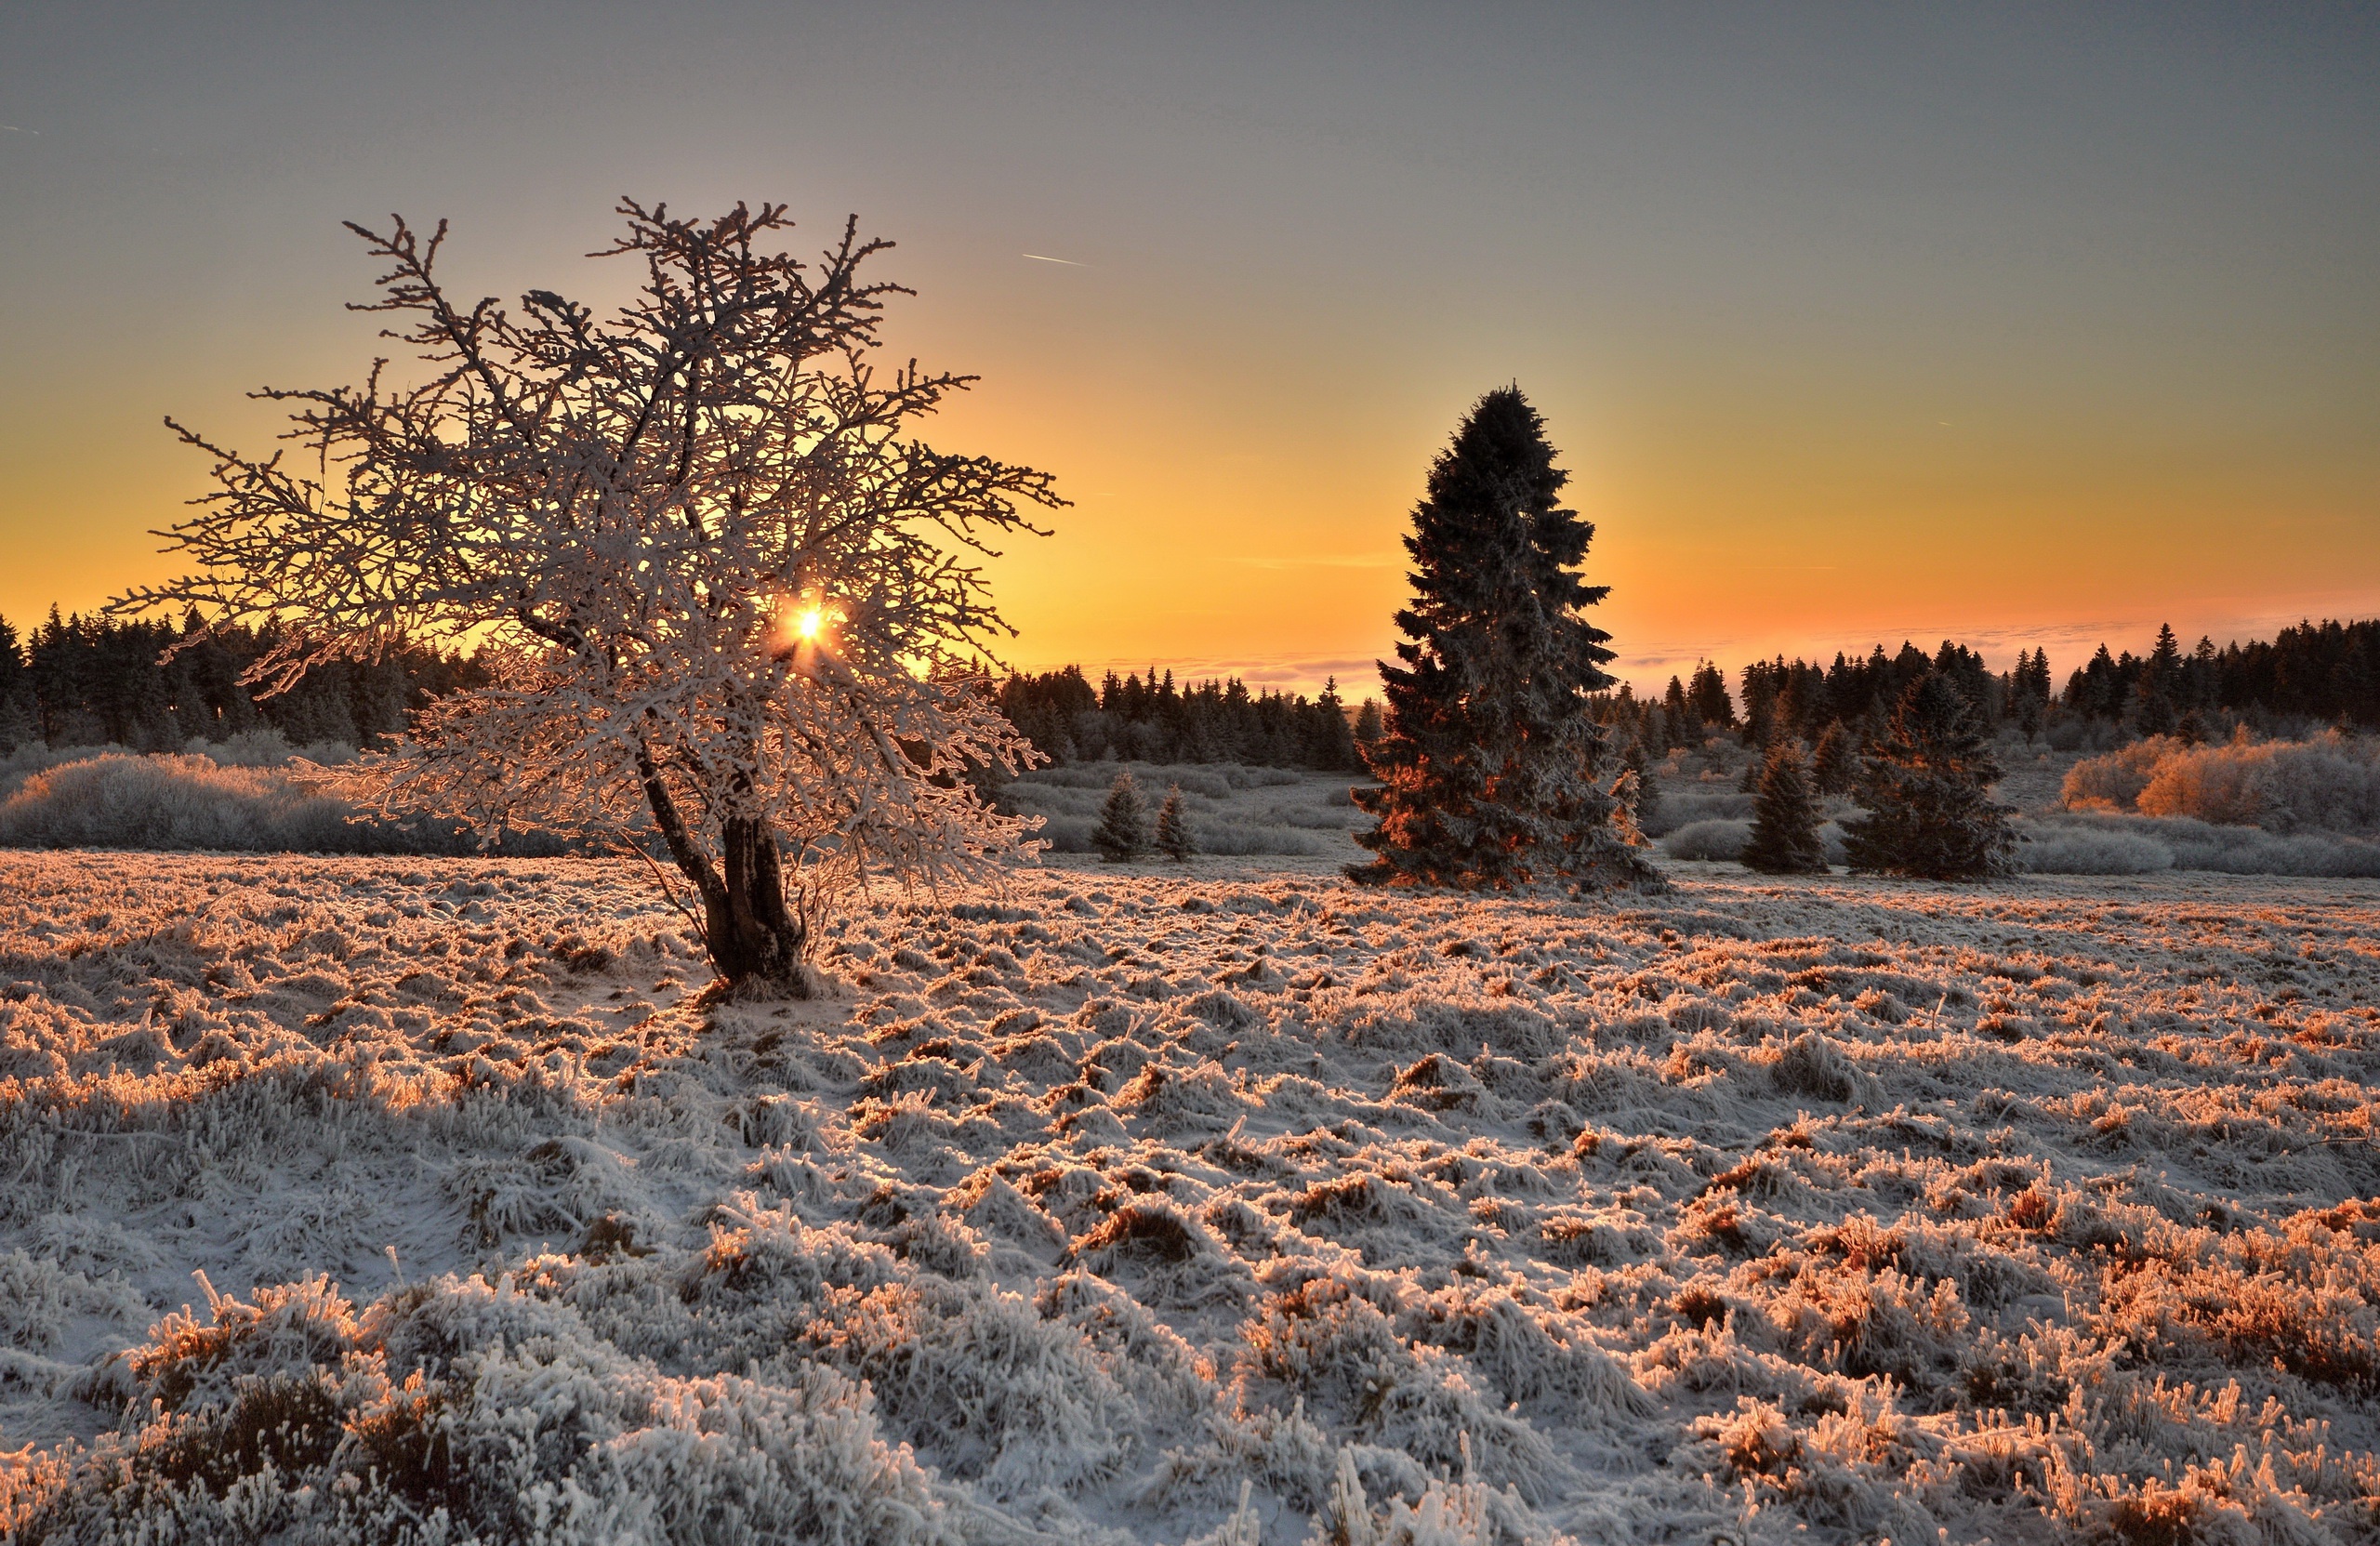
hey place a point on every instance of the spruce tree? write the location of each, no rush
(1123, 830)
(1835, 766)
(1648, 803)
(1173, 838)
(1926, 786)
(1491, 775)
(20, 708)
(1368, 726)
(1785, 816)
(2161, 680)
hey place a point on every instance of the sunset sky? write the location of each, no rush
(2015, 325)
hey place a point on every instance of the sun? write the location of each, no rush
(807, 623)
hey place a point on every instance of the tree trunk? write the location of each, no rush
(753, 935)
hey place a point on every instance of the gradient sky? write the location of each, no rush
(2017, 325)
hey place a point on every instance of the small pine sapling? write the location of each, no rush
(1929, 811)
(1173, 838)
(1785, 817)
(1123, 831)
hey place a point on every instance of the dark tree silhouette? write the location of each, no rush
(1491, 773)
(1785, 817)
(1926, 786)
(1123, 830)
(1368, 726)
(1835, 766)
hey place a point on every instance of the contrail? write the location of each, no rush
(13, 129)
(1067, 261)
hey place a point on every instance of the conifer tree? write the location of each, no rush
(1491, 776)
(1173, 838)
(1123, 831)
(1647, 805)
(1926, 786)
(1835, 766)
(1785, 816)
(2161, 680)
(1369, 727)
(20, 708)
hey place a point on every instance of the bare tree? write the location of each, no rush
(712, 576)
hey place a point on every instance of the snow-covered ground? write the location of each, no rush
(1138, 1204)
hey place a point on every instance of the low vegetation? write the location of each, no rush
(1247, 1206)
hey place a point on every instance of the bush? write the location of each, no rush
(118, 799)
(2330, 783)
(2114, 781)
(1723, 838)
(124, 800)
(1686, 807)
(2103, 843)
(2067, 849)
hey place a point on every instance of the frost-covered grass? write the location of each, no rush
(1243, 1205)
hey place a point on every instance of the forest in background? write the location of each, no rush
(78, 682)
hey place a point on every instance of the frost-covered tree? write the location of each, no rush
(717, 584)
(1645, 806)
(1174, 836)
(1492, 768)
(1123, 829)
(1926, 786)
(1785, 816)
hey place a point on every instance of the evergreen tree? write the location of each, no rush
(1926, 786)
(1123, 831)
(1332, 745)
(1646, 806)
(1491, 776)
(1173, 838)
(2156, 712)
(20, 705)
(1785, 817)
(1368, 728)
(1706, 693)
(1835, 764)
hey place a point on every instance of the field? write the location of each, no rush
(354, 1198)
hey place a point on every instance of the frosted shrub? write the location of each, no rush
(2107, 843)
(2330, 783)
(2114, 781)
(1718, 839)
(118, 799)
(2065, 849)
(1692, 807)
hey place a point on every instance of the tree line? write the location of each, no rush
(76, 680)
(87, 682)
(1149, 718)
(2325, 672)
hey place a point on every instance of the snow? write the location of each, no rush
(373, 1199)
